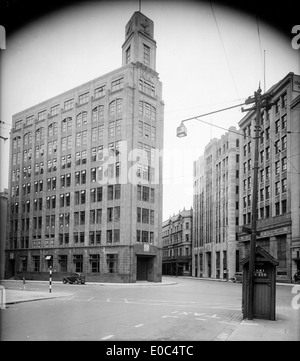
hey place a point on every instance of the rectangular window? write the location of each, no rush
(117, 84)
(42, 115)
(99, 194)
(83, 98)
(283, 185)
(145, 236)
(99, 92)
(117, 213)
(54, 110)
(92, 216)
(112, 263)
(109, 236)
(139, 215)
(68, 104)
(95, 263)
(98, 237)
(128, 55)
(283, 164)
(146, 55)
(109, 214)
(93, 195)
(139, 193)
(277, 208)
(283, 143)
(117, 191)
(146, 194)
(283, 206)
(36, 263)
(277, 188)
(283, 122)
(110, 192)
(145, 215)
(99, 216)
(82, 217)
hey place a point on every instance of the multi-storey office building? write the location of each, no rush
(177, 234)
(85, 187)
(3, 228)
(279, 177)
(215, 208)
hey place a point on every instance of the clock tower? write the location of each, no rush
(139, 45)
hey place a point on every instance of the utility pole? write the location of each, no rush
(257, 96)
(260, 102)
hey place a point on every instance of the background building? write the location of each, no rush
(177, 234)
(3, 226)
(216, 204)
(85, 187)
(279, 177)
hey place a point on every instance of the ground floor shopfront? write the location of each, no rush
(177, 266)
(219, 261)
(277, 241)
(126, 264)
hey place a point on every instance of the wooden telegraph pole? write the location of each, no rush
(260, 102)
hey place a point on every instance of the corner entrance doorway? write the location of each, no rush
(144, 268)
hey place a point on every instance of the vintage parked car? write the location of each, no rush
(297, 277)
(238, 277)
(78, 278)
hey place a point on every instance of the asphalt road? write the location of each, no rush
(191, 310)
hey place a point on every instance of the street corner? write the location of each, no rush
(18, 296)
(261, 330)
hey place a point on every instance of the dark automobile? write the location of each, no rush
(297, 277)
(77, 278)
(238, 277)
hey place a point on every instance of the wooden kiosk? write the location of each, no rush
(264, 300)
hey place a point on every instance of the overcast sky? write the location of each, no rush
(205, 61)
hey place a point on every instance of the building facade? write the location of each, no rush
(215, 251)
(177, 234)
(85, 186)
(279, 177)
(3, 223)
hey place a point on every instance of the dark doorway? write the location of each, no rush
(144, 268)
(11, 268)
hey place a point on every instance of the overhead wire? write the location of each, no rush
(223, 46)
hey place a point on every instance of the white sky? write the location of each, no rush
(72, 46)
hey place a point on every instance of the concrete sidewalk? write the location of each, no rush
(18, 296)
(286, 327)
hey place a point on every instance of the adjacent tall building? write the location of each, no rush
(85, 185)
(279, 177)
(215, 216)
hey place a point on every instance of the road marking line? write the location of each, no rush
(107, 337)
(249, 324)
(229, 323)
(201, 319)
(140, 325)
(213, 316)
(169, 316)
(90, 299)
